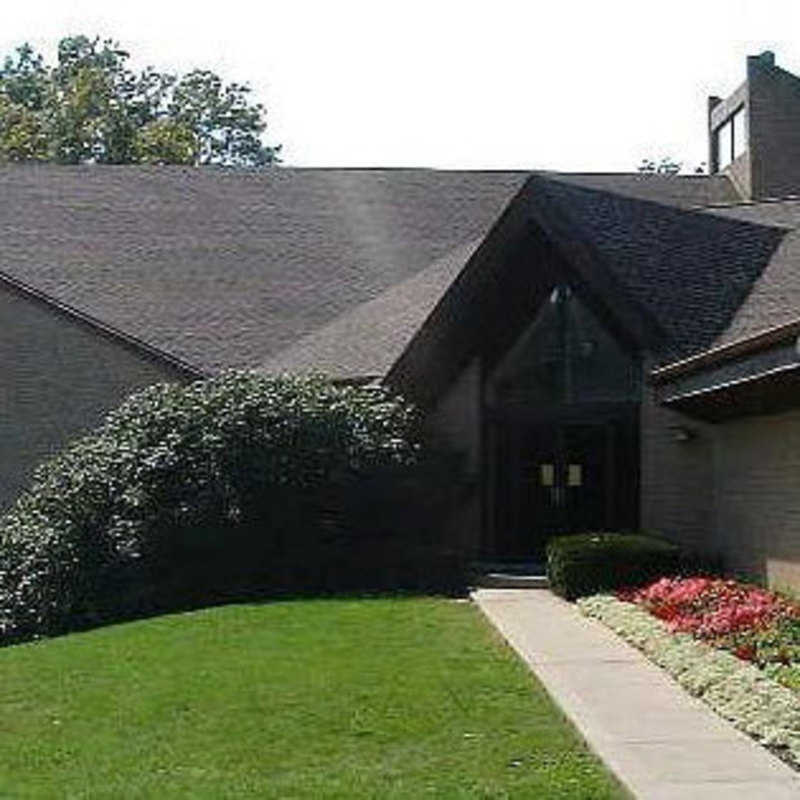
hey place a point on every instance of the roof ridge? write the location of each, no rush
(233, 170)
(465, 170)
(710, 205)
(642, 175)
(758, 202)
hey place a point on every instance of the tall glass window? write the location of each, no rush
(731, 139)
(725, 145)
(566, 356)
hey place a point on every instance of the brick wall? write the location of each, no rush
(456, 424)
(757, 497)
(774, 130)
(771, 98)
(57, 379)
(732, 490)
(676, 475)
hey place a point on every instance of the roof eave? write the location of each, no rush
(133, 343)
(727, 352)
(769, 392)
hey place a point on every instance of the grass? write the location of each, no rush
(380, 698)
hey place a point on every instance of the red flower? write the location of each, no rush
(710, 608)
(746, 652)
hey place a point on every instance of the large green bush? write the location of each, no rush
(588, 563)
(187, 488)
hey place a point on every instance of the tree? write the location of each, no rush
(23, 88)
(166, 141)
(90, 107)
(226, 126)
(667, 166)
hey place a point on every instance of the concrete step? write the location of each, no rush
(507, 580)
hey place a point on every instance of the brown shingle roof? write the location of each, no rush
(295, 269)
(367, 340)
(689, 267)
(228, 268)
(774, 298)
(681, 191)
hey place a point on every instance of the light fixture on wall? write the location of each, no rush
(680, 433)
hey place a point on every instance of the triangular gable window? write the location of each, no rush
(565, 357)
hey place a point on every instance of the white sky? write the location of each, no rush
(563, 84)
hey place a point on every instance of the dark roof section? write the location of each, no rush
(689, 269)
(366, 341)
(775, 296)
(668, 278)
(369, 339)
(228, 268)
(344, 269)
(682, 191)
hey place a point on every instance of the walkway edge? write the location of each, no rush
(660, 743)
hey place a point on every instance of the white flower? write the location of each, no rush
(751, 699)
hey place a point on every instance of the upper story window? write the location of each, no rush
(739, 135)
(731, 139)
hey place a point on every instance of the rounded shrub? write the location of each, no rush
(185, 486)
(588, 563)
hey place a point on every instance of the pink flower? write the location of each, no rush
(710, 608)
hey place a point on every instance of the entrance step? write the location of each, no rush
(509, 580)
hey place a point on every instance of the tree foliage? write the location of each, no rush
(666, 166)
(90, 107)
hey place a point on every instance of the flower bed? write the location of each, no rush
(752, 623)
(735, 646)
(735, 689)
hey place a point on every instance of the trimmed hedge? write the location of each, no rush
(241, 484)
(589, 563)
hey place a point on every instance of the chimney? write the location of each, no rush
(713, 102)
(765, 60)
(754, 134)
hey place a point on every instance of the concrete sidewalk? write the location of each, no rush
(659, 741)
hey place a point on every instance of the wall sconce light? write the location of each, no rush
(682, 434)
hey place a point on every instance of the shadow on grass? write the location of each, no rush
(209, 585)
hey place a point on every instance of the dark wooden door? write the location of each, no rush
(585, 475)
(562, 477)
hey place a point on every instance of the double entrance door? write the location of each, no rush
(561, 477)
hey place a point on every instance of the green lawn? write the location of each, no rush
(387, 698)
